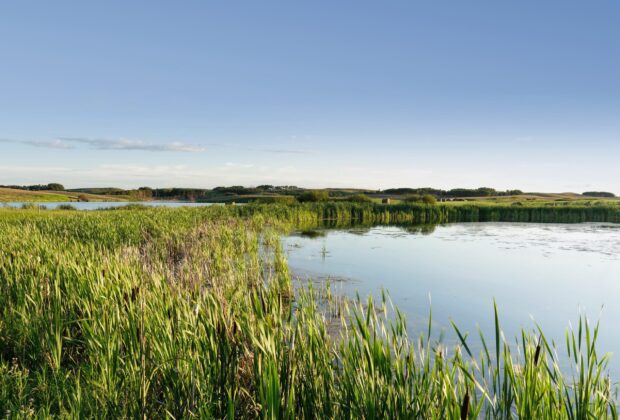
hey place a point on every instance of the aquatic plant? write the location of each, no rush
(192, 313)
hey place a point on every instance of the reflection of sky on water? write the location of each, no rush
(546, 274)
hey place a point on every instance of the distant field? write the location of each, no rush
(543, 199)
(12, 195)
(528, 199)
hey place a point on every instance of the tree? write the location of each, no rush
(602, 194)
(145, 192)
(54, 186)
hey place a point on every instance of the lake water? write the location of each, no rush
(97, 205)
(538, 273)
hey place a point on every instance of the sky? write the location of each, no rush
(508, 94)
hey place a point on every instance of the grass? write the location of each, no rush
(192, 313)
(9, 195)
(13, 195)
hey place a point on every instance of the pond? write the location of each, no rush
(98, 205)
(546, 274)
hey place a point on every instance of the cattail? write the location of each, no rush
(465, 406)
(134, 293)
(537, 353)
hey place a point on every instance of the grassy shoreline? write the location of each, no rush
(178, 313)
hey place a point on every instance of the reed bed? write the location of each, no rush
(174, 313)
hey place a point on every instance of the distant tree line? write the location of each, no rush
(602, 194)
(54, 186)
(261, 189)
(194, 194)
(453, 193)
(427, 195)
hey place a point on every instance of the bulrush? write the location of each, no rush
(465, 406)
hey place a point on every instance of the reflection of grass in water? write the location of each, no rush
(313, 233)
(427, 229)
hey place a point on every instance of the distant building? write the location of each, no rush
(387, 201)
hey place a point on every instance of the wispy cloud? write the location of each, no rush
(47, 144)
(141, 145)
(109, 144)
(128, 144)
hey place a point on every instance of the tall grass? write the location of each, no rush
(192, 313)
(342, 213)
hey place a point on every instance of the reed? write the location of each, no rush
(193, 313)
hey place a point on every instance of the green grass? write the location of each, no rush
(9, 195)
(192, 313)
(14, 195)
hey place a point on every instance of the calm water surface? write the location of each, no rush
(538, 273)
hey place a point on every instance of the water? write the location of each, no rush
(97, 205)
(544, 274)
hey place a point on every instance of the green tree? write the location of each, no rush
(145, 192)
(54, 186)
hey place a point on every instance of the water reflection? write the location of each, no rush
(543, 274)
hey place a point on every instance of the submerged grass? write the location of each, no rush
(180, 313)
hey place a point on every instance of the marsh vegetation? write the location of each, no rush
(192, 313)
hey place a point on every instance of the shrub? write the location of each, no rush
(359, 198)
(33, 206)
(413, 198)
(425, 199)
(313, 196)
(130, 207)
(279, 199)
(66, 207)
(429, 199)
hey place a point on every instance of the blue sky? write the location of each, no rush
(511, 94)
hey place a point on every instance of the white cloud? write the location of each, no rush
(141, 145)
(48, 144)
(128, 144)
(109, 144)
